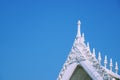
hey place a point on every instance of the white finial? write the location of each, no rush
(105, 62)
(116, 68)
(83, 38)
(94, 52)
(88, 45)
(111, 65)
(78, 33)
(79, 22)
(99, 58)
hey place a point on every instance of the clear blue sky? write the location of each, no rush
(37, 35)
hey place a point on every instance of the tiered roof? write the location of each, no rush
(80, 54)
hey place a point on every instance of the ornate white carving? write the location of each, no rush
(80, 54)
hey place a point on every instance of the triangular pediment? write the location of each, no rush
(80, 74)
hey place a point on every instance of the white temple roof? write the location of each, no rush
(80, 55)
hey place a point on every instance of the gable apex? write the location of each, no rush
(80, 55)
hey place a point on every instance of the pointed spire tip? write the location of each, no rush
(78, 32)
(79, 22)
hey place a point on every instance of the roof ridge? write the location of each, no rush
(81, 52)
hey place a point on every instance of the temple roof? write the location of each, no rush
(80, 55)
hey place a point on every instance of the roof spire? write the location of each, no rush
(94, 53)
(99, 58)
(78, 32)
(111, 65)
(83, 38)
(105, 62)
(116, 68)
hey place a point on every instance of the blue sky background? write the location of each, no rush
(37, 35)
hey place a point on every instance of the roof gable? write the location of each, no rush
(80, 55)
